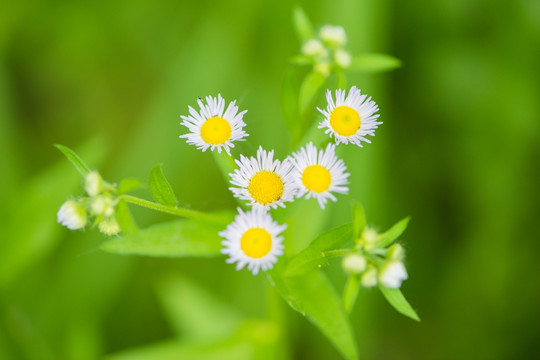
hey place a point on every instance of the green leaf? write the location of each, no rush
(128, 185)
(313, 255)
(373, 63)
(160, 188)
(350, 292)
(312, 295)
(79, 164)
(393, 233)
(308, 90)
(398, 301)
(359, 219)
(181, 238)
(124, 218)
(194, 312)
(302, 25)
(289, 102)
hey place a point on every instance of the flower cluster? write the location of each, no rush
(327, 49)
(100, 203)
(266, 183)
(375, 264)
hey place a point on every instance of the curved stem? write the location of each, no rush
(191, 214)
(336, 253)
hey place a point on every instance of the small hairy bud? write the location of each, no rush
(314, 48)
(333, 35)
(369, 278)
(109, 226)
(354, 263)
(93, 183)
(72, 215)
(392, 274)
(342, 58)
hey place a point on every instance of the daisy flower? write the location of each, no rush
(319, 173)
(263, 181)
(351, 118)
(214, 127)
(253, 239)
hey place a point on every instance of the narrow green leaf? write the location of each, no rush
(160, 188)
(308, 90)
(79, 164)
(373, 63)
(302, 25)
(289, 102)
(398, 301)
(350, 292)
(359, 219)
(124, 218)
(128, 185)
(313, 255)
(393, 233)
(225, 164)
(194, 311)
(312, 295)
(181, 238)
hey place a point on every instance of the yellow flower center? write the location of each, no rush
(256, 242)
(216, 131)
(345, 120)
(265, 187)
(316, 178)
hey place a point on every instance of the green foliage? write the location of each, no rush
(312, 295)
(313, 256)
(359, 220)
(124, 218)
(302, 25)
(350, 292)
(79, 164)
(160, 188)
(182, 238)
(289, 102)
(389, 236)
(374, 63)
(310, 87)
(398, 301)
(128, 185)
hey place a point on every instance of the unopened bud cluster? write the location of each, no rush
(374, 264)
(327, 49)
(100, 204)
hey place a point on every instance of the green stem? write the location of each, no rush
(336, 253)
(191, 214)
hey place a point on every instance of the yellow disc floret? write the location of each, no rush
(265, 187)
(316, 178)
(256, 242)
(345, 120)
(216, 131)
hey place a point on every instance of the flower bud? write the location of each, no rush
(314, 48)
(101, 206)
(369, 238)
(322, 67)
(354, 263)
(109, 226)
(392, 274)
(333, 35)
(72, 215)
(342, 58)
(93, 183)
(369, 278)
(395, 252)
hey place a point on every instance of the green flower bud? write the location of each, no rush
(101, 205)
(333, 35)
(395, 252)
(354, 263)
(342, 58)
(72, 215)
(369, 278)
(314, 48)
(109, 226)
(93, 183)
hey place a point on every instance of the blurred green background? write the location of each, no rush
(458, 151)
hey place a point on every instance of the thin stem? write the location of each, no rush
(191, 214)
(336, 253)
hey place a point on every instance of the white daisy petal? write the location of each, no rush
(350, 118)
(213, 127)
(253, 239)
(263, 181)
(319, 174)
